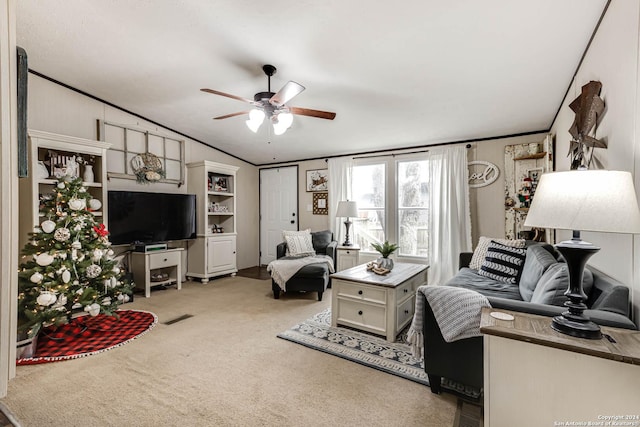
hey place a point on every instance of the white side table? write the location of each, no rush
(347, 257)
(144, 264)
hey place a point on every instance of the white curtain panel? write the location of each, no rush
(450, 214)
(340, 169)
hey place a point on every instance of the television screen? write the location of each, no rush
(139, 217)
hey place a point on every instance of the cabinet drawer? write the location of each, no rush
(365, 316)
(404, 313)
(163, 259)
(360, 292)
(404, 291)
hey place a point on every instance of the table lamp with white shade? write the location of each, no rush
(583, 200)
(347, 209)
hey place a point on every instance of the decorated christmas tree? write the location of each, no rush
(68, 266)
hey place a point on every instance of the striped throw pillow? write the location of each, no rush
(503, 263)
(483, 244)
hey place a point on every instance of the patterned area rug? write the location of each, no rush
(87, 335)
(369, 350)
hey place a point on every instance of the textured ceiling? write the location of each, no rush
(409, 73)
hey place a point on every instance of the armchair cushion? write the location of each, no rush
(321, 240)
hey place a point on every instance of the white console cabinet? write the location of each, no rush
(213, 252)
(145, 264)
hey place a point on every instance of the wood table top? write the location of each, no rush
(401, 272)
(618, 344)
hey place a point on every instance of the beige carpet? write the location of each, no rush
(225, 367)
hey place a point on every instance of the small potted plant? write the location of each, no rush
(385, 250)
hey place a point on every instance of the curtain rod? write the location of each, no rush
(395, 154)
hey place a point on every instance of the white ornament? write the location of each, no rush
(61, 185)
(76, 245)
(93, 271)
(44, 259)
(116, 270)
(62, 255)
(66, 276)
(93, 309)
(74, 254)
(110, 252)
(123, 298)
(62, 300)
(48, 226)
(62, 234)
(96, 255)
(36, 277)
(114, 282)
(77, 204)
(106, 301)
(46, 298)
(95, 204)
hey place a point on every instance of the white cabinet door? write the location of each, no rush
(221, 253)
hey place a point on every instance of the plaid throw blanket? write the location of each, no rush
(283, 269)
(457, 311)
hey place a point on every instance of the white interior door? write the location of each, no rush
(278, 208)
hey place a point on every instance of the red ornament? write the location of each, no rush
(101, 230)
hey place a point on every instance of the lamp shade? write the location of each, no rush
(586, 200)
(347, 209)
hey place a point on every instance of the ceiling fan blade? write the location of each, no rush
(217, 92)
(226, 116)
(286, 94)
(312, 113)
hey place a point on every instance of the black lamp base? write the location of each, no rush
(573, 322)
(580, 329)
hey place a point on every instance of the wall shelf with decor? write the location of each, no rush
(213, 252)
(523, 166)
(50, 154)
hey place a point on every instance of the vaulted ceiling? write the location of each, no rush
(402, 74)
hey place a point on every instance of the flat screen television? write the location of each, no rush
(140, 217)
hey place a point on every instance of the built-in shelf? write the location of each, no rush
(532, 156)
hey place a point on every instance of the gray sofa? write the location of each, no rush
(539, 290)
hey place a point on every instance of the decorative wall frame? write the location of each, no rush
(320, 203)
(128, 142)
(318, 180)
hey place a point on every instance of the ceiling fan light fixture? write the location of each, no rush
(256, 117)
(282, 122)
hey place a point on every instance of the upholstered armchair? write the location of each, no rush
(312, 277)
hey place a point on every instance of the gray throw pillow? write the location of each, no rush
(535, 264)
(555, 282)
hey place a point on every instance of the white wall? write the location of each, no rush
(56, 109)
(612, 59)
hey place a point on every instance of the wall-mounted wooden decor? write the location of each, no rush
(320, 203)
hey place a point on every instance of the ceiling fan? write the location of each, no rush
(272, 106)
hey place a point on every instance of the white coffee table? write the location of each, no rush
(378, 304)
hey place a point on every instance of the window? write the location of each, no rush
(393, 203)
(368, 188)
(413, 213)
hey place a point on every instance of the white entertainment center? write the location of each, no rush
(212, 253)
